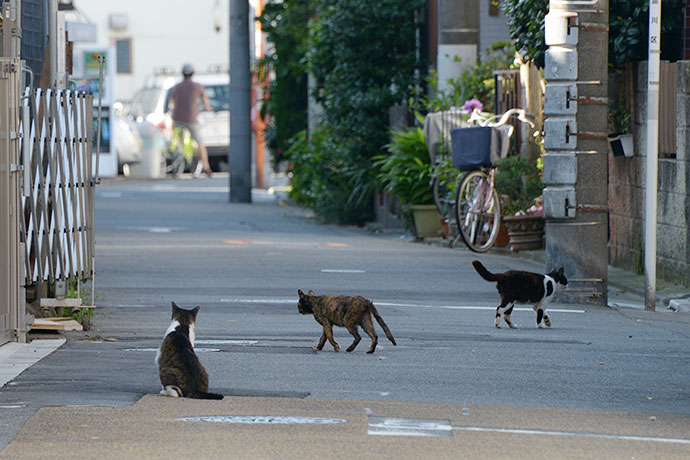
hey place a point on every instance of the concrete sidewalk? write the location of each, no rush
(15, 358)
(157, 427)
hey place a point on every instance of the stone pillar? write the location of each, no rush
(458, 37)
(575, 163)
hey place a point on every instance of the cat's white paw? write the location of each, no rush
(171, 390)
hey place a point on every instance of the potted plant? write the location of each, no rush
(406, 174)
(620, 139)
(519, 185)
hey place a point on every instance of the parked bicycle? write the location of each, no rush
(469, 203)
(437, 126)
(180, 154)
(446, 178)
(478, 151)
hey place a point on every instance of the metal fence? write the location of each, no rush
(668, 92)
(58, 212)
(507, 86)
(11, 300)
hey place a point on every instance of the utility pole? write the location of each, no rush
(240, 153)
(651, 174)
(576, 159)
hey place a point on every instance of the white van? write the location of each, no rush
(150, 106)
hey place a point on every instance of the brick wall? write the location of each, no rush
(626, 191)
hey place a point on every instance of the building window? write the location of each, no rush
(494, 9)
(123, 52)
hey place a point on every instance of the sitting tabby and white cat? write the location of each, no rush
(517, 286)
(179, 369)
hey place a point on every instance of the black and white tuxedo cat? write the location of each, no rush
(517, 286)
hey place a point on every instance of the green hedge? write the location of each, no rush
(363, 56)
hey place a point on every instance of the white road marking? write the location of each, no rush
(573, 434)
(154, 229)
(271, 301)
(263, 420)
(470, 307)
(289, 301)
(226, 342)
(408, 427)
(337, 270)
(197, 350)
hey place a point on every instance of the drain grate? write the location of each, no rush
(409, 427)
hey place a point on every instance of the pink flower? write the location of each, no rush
(473, 104)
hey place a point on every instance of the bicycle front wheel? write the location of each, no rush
(477, 211)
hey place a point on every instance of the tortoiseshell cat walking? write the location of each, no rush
(343, 311)
(517, 286)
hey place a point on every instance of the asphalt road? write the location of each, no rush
(601, 383)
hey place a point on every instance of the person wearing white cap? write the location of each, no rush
(184, 100)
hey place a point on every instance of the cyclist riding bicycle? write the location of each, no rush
(184, 100)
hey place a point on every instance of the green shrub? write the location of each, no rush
(363, 57)
(286, 26)
(323, 180)
(628, 29)
(525, 21)
(518, 182)
(406, 171)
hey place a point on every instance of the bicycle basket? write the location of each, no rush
(479, 146)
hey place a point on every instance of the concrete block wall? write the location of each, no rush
(626, 192)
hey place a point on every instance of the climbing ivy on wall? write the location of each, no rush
(628, 29)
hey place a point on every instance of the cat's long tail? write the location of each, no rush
(203, 395)
(383, 325)
(483, 272)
